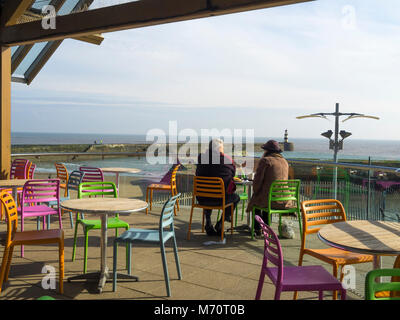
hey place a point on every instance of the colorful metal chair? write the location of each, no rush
(74, 180)
(383, 291)
(281, 190)
(167, 183)
(62, 174)
(158, 236)
(316, 214)
(95, 188)
(209, 187)
(36, 195)
(36, 237)
(291, 278)
(19, 169)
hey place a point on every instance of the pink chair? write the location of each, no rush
(292, 278)
(36, 194)
(93, 174)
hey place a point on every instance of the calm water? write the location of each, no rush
(303, 148)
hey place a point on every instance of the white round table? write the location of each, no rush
(102, 207)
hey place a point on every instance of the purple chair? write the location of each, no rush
(36, 195)
(293, 278)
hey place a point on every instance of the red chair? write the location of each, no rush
(292, 278)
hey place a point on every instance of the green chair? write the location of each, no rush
(281, 190)
(243, 198)
(372, 287)
(160, 236)
(95, 188)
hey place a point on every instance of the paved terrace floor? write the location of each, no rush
(216, 272)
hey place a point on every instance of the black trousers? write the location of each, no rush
(263, 215)
(229, 198)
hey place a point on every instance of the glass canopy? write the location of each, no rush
(28, 60)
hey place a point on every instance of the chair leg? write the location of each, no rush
(147, 200)
(260, 284)
(10, 254)
(22, 229)
(253, 214)
(232, 218)
(75, 238)
(321, 295)
(129, 258)
(61, 263)
(178, 265)
(335, 271)
(151, 198)
(165, 266)
(71, 220)
(202, 222)
(190, 223)
(86, 250)
(223, 223)
(4, 266)
(115, 266)
(300, 264)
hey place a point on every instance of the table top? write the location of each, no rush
(120, 170)
(8, 183)
(362, 236)
(104, 205)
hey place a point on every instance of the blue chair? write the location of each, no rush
(74, 179)
(159, 236)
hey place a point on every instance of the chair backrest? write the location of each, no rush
(19, 169)
(208, 187)
(320, 212)
(39, 191)
(272, 249)
(170, 176)
(92, 174)
(372, 287)
(74, 180)
(11, 210)
(167, 214)
(97, 188)
(62, 172)
(31, 171)
(284, 190)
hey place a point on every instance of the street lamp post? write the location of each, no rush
(336, 144)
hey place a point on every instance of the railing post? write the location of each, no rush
(369, 188)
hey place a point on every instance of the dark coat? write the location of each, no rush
(270, 168)
(225, 169)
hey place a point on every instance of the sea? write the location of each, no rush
(303, 149)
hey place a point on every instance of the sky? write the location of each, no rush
(254, 70)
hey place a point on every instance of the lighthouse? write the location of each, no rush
(287, 146)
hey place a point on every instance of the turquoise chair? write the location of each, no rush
(158, 236)
(95, 188)
(281, 190)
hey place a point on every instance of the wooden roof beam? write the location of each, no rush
(127, 16)
(12, 10)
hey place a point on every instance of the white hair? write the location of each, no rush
(215, 145)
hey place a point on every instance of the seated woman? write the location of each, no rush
(272, 166)
(214, 163)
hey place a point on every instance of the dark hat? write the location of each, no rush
(272, 145)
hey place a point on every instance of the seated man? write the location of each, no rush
(214, 163)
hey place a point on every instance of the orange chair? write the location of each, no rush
(36, 237)
(166, 184)
(62, 174)
(316, 214)
(210, 187)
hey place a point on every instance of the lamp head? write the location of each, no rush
(327, 134)
(344, 134)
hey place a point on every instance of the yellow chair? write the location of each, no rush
(164, 185)
(35, 237)
(316, 214)
(210, 187)
(62, 174)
